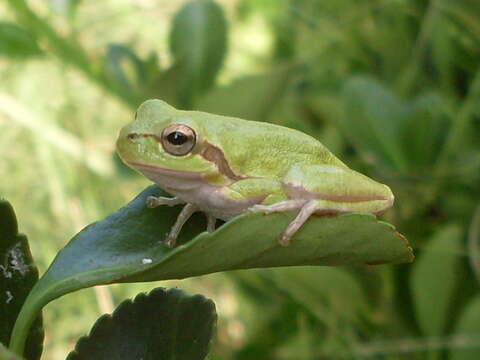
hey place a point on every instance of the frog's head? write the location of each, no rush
(165, 140)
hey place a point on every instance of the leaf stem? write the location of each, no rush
(24, 322)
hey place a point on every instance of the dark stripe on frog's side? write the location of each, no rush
(214, 154)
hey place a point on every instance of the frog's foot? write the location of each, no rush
(182, 218)
(154, 201)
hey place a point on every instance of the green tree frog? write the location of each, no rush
(226, 166)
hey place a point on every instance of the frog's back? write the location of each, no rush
(255, 148)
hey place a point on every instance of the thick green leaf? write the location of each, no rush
(17, 42)
(468, 332)
(161, 325)
(433, 280)
(198, 42)
(126, 247)
(18, 275)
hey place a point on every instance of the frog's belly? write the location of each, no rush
(193, 189)
(212, 200)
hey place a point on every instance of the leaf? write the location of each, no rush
(18, 274)
(474, 244)
(126, 247)
(160, 325)
(327, 292)
(125, 69)
(434, 278)
(198, 42)
(251, 97)
(17, 42)
(166, 86)
(425, 130)
(468, 330)
(374, 118)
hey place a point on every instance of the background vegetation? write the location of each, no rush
(391, 86)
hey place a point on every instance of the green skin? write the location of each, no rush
(235, 166)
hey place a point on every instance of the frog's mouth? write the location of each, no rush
(152, 171)
(173, 181)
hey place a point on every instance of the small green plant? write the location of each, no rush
(125, 247)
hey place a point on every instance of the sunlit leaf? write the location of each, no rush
(163, 325)
(18, 275)
(126, 247)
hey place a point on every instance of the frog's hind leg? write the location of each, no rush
(326, 190)
(308, 208)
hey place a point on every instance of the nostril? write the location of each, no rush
(132, 136)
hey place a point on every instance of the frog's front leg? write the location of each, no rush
(187, 211)
(185, 214)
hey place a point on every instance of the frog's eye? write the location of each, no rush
(178, 139)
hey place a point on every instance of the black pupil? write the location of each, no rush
(177, 138)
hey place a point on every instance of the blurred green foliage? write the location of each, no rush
(391, 86)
